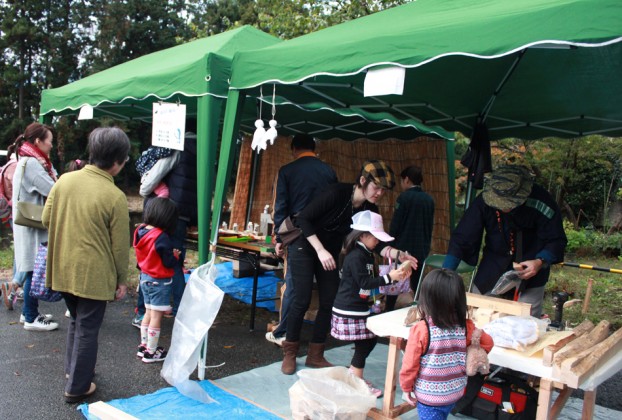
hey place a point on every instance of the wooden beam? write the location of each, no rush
(498, 305)
(559, 403)
(550, 350)
(596, 357)
(575, 350)
(104, 411)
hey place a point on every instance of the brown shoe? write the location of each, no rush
(72, 399)
(315, 356)
(6, 295)
(290, 351)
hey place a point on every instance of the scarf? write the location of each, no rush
(30, 150)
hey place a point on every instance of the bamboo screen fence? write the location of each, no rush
(346, 158)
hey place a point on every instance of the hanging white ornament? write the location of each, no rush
(259, 134)
(271, 134)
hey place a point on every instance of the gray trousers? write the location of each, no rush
(87, 316)
(534, 296)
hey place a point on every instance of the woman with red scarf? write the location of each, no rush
(33, 179)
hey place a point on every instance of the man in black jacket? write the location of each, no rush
(297, 183)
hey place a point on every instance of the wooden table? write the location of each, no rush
(250, 252)
(390, 324)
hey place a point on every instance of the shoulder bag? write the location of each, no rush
(288, 231)
(27, 214)
(37, 287)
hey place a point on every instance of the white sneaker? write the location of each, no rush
(47, 317)
(41, 324)
(271, 338)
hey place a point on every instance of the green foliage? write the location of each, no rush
(588, 242)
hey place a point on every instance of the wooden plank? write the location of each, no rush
(560, 402)
(598, 334)
(104, 411)
(550, 350)
(596, 357)
(498, 305)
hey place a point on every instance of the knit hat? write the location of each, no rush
(380, 173)
(507, 187)
(368, 221)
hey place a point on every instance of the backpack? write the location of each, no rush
(5, 202)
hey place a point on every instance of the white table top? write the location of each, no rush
(391, 324)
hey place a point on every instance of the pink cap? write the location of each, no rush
(368, 221)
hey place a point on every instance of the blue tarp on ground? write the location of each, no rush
(168, 403)
(242, 288)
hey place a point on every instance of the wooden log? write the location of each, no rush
(574, 348)
(596, 357)
(498, 305)
(550, 350)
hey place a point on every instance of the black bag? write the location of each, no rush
(484, 397)
(288, 231)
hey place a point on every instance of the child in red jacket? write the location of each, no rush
(156, 258)
(433, 374)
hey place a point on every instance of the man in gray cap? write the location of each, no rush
(524, 231)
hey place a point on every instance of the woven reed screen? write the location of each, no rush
(346, 158)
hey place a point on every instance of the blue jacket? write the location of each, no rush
(543, 236)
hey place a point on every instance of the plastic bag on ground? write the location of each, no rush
(198, 309)
(330, 393)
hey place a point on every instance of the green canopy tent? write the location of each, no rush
(195, 74)
(528, 69)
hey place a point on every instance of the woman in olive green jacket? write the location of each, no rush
(88, 251)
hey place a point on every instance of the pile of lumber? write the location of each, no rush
(588, 348)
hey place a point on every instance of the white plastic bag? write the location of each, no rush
(514, 332)
(330, 393)
(198, 309)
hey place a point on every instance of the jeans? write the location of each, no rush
(156, 292)
(304, 266)
(285, 302)
(179, 280)
(30, 309)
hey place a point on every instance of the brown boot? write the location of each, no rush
(315, 356)
(290, 351)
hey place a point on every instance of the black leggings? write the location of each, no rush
(362, 349)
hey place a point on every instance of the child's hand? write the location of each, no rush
(176, 253)
(398, 274)
(410, 398)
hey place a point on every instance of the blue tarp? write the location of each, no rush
(168, 403)
(242, 288)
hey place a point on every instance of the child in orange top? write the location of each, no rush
(433, 374)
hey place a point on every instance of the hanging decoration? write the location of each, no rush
(260, 131)
(271, 134)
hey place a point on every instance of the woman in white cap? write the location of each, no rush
(325, 222)
(351, 308)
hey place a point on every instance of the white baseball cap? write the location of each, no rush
(368, 221)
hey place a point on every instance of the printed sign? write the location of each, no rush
(169, 125)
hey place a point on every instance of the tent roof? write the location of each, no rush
(531, 68)
(193, 69)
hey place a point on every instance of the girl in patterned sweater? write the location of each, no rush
(433, 374)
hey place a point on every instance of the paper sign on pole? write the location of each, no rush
(169, 125)
(384, 81)
(86, 112)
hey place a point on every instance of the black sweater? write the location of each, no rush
(357, 278)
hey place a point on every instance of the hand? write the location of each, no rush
(279, 250)
(410, 398)
(327, 260)
(398, 274)
(407, 257)
(121, 291)
(176, 253)
(529, 268)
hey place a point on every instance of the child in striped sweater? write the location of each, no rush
(433, 374)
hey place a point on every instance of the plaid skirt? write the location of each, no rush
(350, 329)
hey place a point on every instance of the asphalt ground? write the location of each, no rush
(31, 363)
